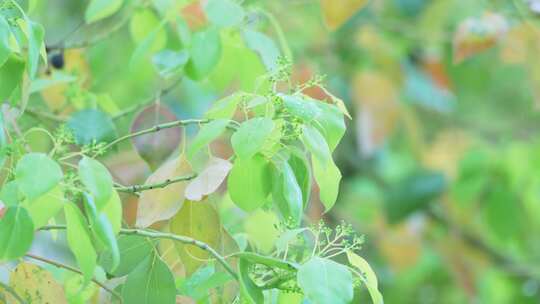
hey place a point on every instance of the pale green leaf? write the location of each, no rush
(249, 182)
(133, 250)
(316, 144)
(205, 52)
(45, 207)
(264, 46)
(11, 73)
(206, 135)
(325, 281)
(250, 292)
(97, 179)
(367, 275)
(37, 174)
(16, 233)
(287, 194)
(5, 33)
(328, 178)
(224, 13)
(251, 136)
(169, 62)
(101, 9)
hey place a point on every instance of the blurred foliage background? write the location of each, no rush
(440, 160)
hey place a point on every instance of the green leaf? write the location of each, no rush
(45, 207)
(205, 52)
(198, 286)
(255, 258)
(79, 241)
(151, 282)
(37, 174)
(249, 182)
(16, 233)
(133, 250)
(97, 179)
(3, 141)
(367, 275)
(224, 13)
(264, 46)
(250, 292)
(9, 194)
(287, 237)
(102, 228)
(331, 123)
(251, 136)
(208, 133)
(301, 108)
(36, 32)
(224, 108)
(413, 193)
(101, 9)
(316, 144)
(113, 211)
(146, 46)
(328, 178)
(91, 125)
(55, 79)
(325, 281)
(11, 74)
(169, 62)
(300, 166)
(287, 194)
(5, 33)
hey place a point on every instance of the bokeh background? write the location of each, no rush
(441, 158)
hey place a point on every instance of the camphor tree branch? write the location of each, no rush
(165, 183)
(67, 267)
(164, 235)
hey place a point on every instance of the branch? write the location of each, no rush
(60, 265)
(165, 183)
(164, 235)
(157, 128)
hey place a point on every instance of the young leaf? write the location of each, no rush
(37, 174)
(304, 109)
(113, 211)
(224, 13)
(155, 147)
(78, 238)
(200, 221)
(206, 135)
(264, 46)
(287, 237)
(287, 194)
(16, 233)
(35, 285)
(316, 144)
(224, 108)
(331, 123)
(205, 51)
(133, 250)
(45, 207)
(35, 33)
(251, 136)
(163, 203)
(255, 258)
(367, 275)
(249, 182)
(91, 126)
(325, 281)
(328, 178)
(97, 179)
(100, 9)
(169, 62)
(209, 179)
(11, 73)
(5, 34)
(151, 282)
(250, 292)
(102, 229)
(300, 166)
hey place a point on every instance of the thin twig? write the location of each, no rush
(163, 184)
(157, 128)
(60, 265)
(49, 116)
(170, 236)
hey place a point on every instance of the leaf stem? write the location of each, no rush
(163, 184)
(72, 269)
(164, 235)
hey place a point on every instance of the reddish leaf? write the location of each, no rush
(155, 147)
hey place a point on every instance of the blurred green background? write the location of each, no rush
(441, 156)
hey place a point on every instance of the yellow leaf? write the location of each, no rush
(337, 12)
(163, 203)
(34, 285)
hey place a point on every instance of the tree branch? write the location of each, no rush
(60, 265)
(165, 183)
(157, 128)
(164, 235)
